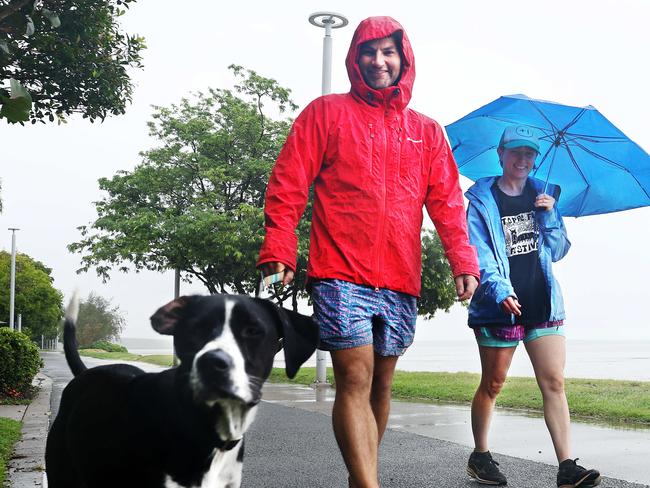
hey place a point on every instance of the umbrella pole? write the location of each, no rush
(550, 168)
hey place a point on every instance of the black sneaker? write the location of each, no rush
(572, 475)
(484, 469)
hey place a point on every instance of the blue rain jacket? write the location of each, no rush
(486, 233)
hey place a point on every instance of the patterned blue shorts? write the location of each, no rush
(351, 315)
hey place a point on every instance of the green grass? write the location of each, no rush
(9, 435)
(624, 403)
(610, 401)
(160, 360)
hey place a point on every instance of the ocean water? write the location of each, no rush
(617, 360)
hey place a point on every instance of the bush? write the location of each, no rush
(107, 346)
(20, 363)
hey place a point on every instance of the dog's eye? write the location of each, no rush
(252, 332)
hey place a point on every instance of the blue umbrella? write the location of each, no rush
(598, 168)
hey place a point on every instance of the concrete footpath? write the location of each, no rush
(291, 444)
(26, 468)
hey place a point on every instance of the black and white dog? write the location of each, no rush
(182, 428)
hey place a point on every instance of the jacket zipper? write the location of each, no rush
(371, 165)
(382, 213)
(485, 215)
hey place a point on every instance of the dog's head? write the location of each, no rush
(227, 343)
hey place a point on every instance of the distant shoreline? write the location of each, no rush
(613, 359)
(611, 401)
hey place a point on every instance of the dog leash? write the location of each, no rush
(266, 282)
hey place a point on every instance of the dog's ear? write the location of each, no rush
(299, 335)
(166, 318)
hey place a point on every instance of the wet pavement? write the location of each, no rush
(292, 444)
(616, 452)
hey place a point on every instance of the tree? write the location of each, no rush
(196, 202)
(60, 57)
(438, 287)
(39, 303)
(98, 320)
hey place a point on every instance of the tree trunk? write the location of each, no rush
(294, 299)
(13, 7)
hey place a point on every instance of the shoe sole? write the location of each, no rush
(583, 483)
(473, 474)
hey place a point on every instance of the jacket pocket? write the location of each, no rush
(411, 165)
(350, 150)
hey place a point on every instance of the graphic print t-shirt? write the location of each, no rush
(522, 236)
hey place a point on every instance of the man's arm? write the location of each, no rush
(444, 203)
(288, 190)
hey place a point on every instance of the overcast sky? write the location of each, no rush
(467, 53)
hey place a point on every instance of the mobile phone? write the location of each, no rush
(274, 278)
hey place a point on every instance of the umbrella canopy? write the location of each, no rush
(598, 168)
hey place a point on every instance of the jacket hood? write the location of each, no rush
(398, 95)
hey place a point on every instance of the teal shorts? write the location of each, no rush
(484, 336)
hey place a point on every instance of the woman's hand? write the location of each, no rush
(544, 201)
(511, 305)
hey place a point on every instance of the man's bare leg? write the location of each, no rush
(380, 394)
(354, 423)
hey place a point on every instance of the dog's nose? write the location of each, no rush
(216, 361)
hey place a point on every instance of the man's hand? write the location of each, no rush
(465, 286)
(275, 267)
(511, 305)
(544, 201)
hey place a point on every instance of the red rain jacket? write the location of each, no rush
(374, 164)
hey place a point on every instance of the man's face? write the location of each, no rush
(518, 161)
(380, 62)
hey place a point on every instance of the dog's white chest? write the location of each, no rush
(225, 471)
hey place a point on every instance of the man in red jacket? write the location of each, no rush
(374, 164)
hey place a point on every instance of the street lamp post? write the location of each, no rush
(177, 293)
(328, 21)
(12, 285)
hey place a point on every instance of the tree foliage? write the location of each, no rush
(20, 363)
(98, 320)
(39, 303)
(438, 287)
(196, 202)
(64, 57)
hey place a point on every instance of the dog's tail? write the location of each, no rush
(70, 338)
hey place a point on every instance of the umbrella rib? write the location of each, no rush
(556, 137)
(600, 156)
(510, 121)
(576, 165)
(544, 115)
(596, 139)
(615, 165)
(574, 121)
(470, 159)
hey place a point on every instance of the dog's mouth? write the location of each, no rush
(213, 396)
(234, 419)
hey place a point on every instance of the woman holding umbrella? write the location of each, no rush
(518, 232)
